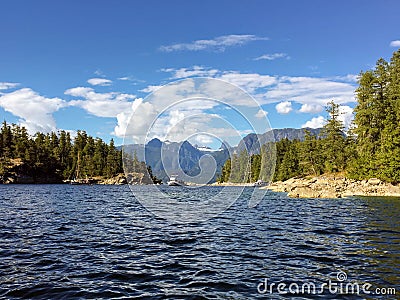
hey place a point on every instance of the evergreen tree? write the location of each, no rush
(310, 155)
(333, 140)
(377, 122)
(289, 166)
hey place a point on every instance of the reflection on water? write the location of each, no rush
(61, 241)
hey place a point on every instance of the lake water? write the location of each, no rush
(63, 241)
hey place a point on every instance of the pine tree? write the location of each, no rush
(333, 140)
(377, 122)
(310, 155)
(289, 166)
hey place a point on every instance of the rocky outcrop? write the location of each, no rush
(15, 171)
(131, 178)
(334, 187)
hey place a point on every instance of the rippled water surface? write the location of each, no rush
(62, 241)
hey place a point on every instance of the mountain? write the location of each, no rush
(183, 158)
(252, 142)
(174, 158)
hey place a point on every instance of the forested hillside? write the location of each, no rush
(54, 156)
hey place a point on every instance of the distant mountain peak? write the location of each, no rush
(225, 146)
(155, 143)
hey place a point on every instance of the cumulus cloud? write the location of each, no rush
(272, 56)
(316, 122)
(261, 114)
(186, 108)
(284, 107)
(100, 104)
(217, 44)
(272, 89)
(8, 85)
(99, 81)
(247, 81)
(250, 82)
(310, 90)
(134, 130)
(395, 43)
(311, 108)
(346, 115)
(35, 111)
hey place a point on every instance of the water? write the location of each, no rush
(62, 241)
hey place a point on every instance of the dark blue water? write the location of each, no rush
(62, 241)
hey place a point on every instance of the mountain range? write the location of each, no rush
(184, 159)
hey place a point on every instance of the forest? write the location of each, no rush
(54, 157)
(369, 149)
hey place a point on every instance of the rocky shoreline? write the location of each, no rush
(334, 187)
(120, 179)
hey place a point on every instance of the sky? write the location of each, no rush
(92, 65)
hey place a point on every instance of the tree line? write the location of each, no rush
(55, 156)
(369, 149)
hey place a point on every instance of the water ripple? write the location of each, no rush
(63, 242)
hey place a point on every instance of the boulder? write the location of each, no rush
(303, 192)
(374, 181)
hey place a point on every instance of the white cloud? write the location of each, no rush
(346, 115)
(135, 130)
(272, 56)
(310, 90)
(311, 108)
(250, 82)
(316, 122)
(189, 72)
(217, 44)
(271, 89)
(187, 108)
(34, 110)
(311, 93)
(347, 78)
(100, 104)
(99, 81)
(98, 72)
(247, 81)
(79, 91)
(150, 88)
(8, 85)
(203, 139)
(284, 107)
(261, 114)
(395, 43)
(131, 79)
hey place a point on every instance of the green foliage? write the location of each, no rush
(330, 152)
(55, 156)
(287, 160)
(377, 122)
(370, 149)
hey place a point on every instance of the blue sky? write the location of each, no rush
(82, 64)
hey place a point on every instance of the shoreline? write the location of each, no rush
(331, 186)
(324, 186)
